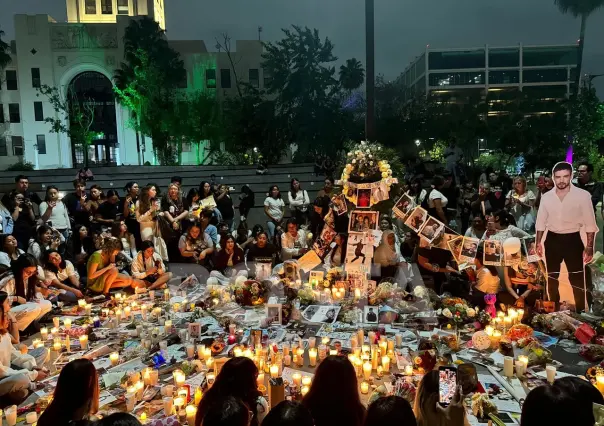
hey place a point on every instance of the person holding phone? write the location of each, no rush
(76, 203)
(146, 211)
(108, 212)
(149, 267)
(54, 211)
(224, 204)
(23, 218)
(429, 411)
(103, 274)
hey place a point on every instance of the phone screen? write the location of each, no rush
(447, 385)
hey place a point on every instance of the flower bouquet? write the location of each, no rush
(482, 406)
(537, 354)
(250, 293)
(365, 163)
(333, 278)
(457, 310)
(519, 331)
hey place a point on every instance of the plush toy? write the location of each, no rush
(490, 299)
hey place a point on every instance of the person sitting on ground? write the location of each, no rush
(428, 412)
(243, 236)
(524, 284)
(261, 251)
(237, 379)
(228, 261)
(54, 211)
(195, 246)
(149, 267)
(389, 258)
(119, 230)
(93, 203)
(63, 276)
(333, 398)
(9, 251)
(23, 285)
(477, 229)
(15, 384)
(390, 410)
(83, 247)
(76, 395)
(487, 280)
(85, 174)
(45, 239)
(293, 242)
(228, 412)
(103, 275)
(289, 413)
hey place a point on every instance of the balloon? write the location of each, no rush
(481, 340)
(511, 245)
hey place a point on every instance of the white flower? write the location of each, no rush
(367, 151)
(350, 154)
(471, 312)
(357, 152)
(371, 162)
(458, 305)
(447, 313)
(371, 156)
(354, 161)
(362, 142)
(379, 148)
(439, 312)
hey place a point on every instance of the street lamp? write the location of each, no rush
(418, 142)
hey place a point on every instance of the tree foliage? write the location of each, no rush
(5, 58)
(352, 74)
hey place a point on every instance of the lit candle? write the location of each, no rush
(144, 418)
(383, 348)
(333, 352)
(88, 308)
(168, 326)
(409, 370)
(198, 395)
(380, 371)
(44, 333)
(237, 352)
(507, 322)
(364, 388)
(386, 364)
(508, 366)
(67, 323)
(297, 378)
(179, 403)
(119, 314)
(147, 376)
(54, 331)
(179, 378)
(358, 367)
(312, 356)
(127, 311)
(209, 363)
(81, 303)
(371, 337)
(210, 379)
(357, 293)
(304, 390)
(56, 346)
(489, 330)
(361, 335)
(167, 295)
(191, 412)
(31, 418)
(600, 382)
(300, 354)
(274, 371)
(84, 341)
(306, 381)
(114, 358)
(367, 370)
(260, 380)
(495, 338)
(524, 359)
(287, 360)
(207, 354)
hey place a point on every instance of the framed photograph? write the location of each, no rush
(454, 246)
(273, 313)
(370, 314)
(363, 198)
(468, 249)
(322, 244)
(315, 278)
(403, 207)
(530, 248)
(512, 258)
(363, 221)
(379, 193)
(263, 269)
(321, 313)
(358, 249)
(194, 330)
(432, 230)
(339, 204)
(351, 195)
(492, 253)
(417, 219)
(443, 243)
(218, 364)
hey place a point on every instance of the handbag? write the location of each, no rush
(159, 243)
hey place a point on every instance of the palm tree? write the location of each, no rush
(4, 52)
(582, 8)
(352, 74)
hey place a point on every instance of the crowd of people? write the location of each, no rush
(333, 399)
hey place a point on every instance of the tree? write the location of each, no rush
(5, 57)
(582, 8)
(352, 74)
(200, 119)
(74, 116)
(307, 95)
(147, 84)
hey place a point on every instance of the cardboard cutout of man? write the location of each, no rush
(564, 212)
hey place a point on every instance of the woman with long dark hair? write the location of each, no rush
(289, 413)
(76, 395)
(147, 208)
(174, 214)
(45, 239)
(246, 202)
(128, 208)
(62, 275)
(228, 261)
(237, 378)
(54, 211)
(274, 208)
(9, 250)
(227, 412)
(390, 410)
(333, 397)
(15, 383)
(23, 216)
(83, 247)
(195, 246)
(427, 410)
(21, 283)
(120, 230)
(299, 203)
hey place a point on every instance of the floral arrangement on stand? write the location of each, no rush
(456, 310)
(250, 292)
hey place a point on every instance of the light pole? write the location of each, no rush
(370, 70)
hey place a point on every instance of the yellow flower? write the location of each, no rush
(384, 174)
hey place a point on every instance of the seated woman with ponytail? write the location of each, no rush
(63, 276)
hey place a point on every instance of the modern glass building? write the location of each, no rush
(493, 74)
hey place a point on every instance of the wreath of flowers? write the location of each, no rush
(250, 293)
(365, 163)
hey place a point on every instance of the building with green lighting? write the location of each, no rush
(495, 75)
(84, 53)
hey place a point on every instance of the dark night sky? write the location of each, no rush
(403, 27)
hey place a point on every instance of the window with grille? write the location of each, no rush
(41, 142)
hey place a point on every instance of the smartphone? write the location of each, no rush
(447, 384)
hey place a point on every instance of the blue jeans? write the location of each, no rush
(270, 227)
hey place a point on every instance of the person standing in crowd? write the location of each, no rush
(453, 157)
(586, 182)
(298, 202)
(147, 208)
(108, 211)
(564, 212)
(224, 203)
(500, 228)
(23, 218)
(451, 192)
(327, 188)
(76, 395)
(274, 208)
(149, 267)
(175, 213)
(246, 202)
(54, 211)
(520, 202)
(293, 242)
(196, 246)
(76, 203)
(546, 185)
(22, 188)
(85, 174)
(436, 202)
(416, 192)
(128, 209)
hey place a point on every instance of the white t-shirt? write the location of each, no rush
(275, 207)
(487, 282)
(456, 154)
(435, 194)
(63, 274)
